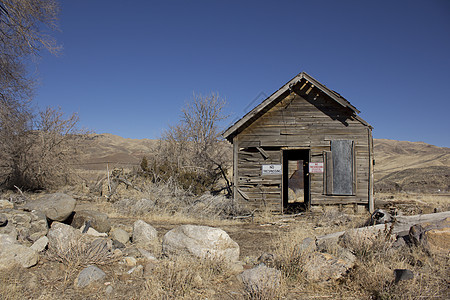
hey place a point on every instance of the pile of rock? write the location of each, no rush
(331, 256)
(50, 226)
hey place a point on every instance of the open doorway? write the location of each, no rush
(295, 180)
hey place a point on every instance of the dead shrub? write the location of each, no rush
(364, 244)
(81, 252)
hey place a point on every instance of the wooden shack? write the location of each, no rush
(303, 146)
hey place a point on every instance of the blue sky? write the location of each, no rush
(128, 67)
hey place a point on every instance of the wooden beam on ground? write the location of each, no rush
(401, 223)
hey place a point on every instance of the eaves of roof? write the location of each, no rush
(251, 115)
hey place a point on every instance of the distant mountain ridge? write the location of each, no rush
(399, 165)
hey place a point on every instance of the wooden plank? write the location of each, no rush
(370, 187)
(328, 172)
(235, 167)
(263, 153)
(244, 195)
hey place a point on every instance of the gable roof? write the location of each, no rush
(261, 108)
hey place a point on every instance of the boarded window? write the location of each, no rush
(339, 162)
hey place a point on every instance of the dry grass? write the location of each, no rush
(185, 277)
(411, 203)
(373, 274)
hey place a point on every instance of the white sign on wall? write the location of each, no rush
(315, 167)
(271, 170)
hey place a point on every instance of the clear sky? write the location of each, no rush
(128, 67)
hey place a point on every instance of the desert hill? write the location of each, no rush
(399, 165)
(102, 149)
(411, 166)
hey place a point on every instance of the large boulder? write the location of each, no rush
(62, 236)
(201, 241)
(143, 233)
(120, 235)
(40, 244)
(97, 220)
(439, 239)
(26, 226)
(57, 207)
(261, 282)
(438, 236)
(380, 216)
(324, 267)
(89, 275)
(12, 254)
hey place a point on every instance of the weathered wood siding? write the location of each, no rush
(300, 120)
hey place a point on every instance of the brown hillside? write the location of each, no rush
(116, 151)
(411, 167)
(399, 165)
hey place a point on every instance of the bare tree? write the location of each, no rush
(192, 150)
(36, 146)
(24, 32)
(40, 156)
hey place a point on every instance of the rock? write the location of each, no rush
(89, 275)
(417, 235)
(5, 204)
(12, 254)
(143, 233)
(137, 271)
(40, 244)
(403, 274)
(131, 251)
(200, 241)
(61, 236)
(380, 216)
(7, 239)
(117, 245)
(3, 220)
(267, 258)
(147, 255)
(355, 239)
(261, 281)
(197, 281)
(399, 242)
(130, 261)
(307, 245)
(323, 267)
(98, 220)
(56, 207)
(93, 232)
(120, 235)
(109, 289)
(236, 267)
(438, 239)
(26, 226)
